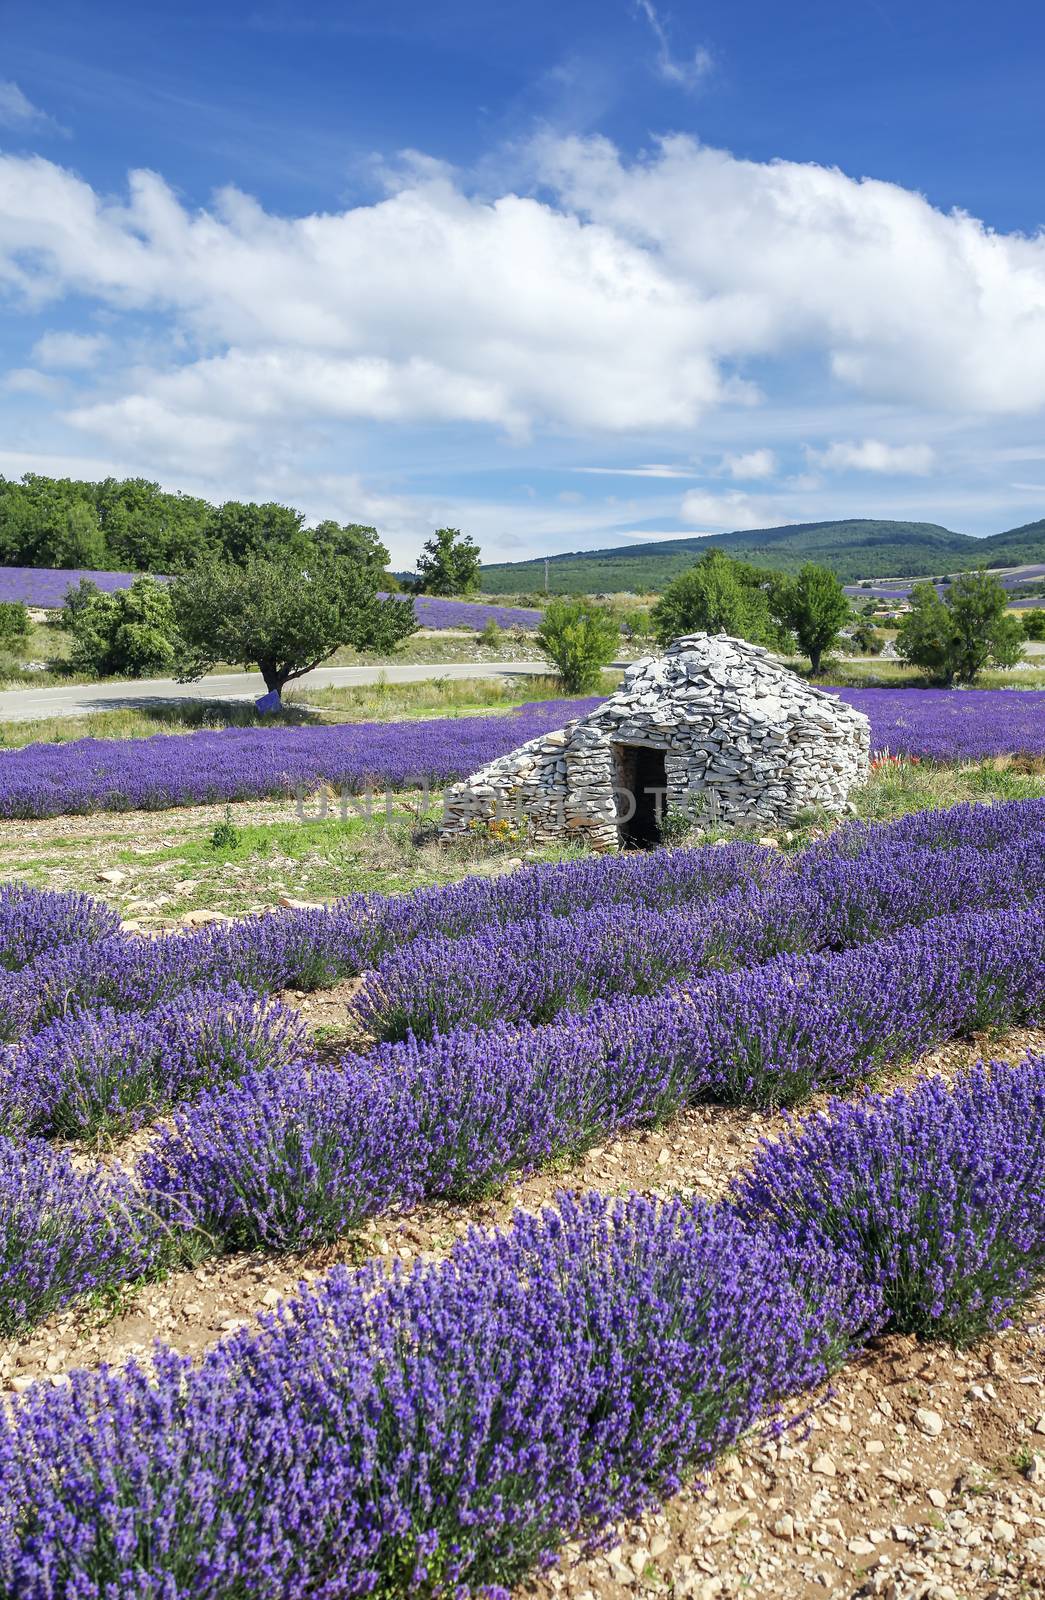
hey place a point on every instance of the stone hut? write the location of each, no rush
(716, 727)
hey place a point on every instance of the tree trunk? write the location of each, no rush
(814, 661)
(275, 677)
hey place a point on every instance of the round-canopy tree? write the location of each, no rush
(282, 616)
(953, 639)
(717, 595)
(814, 606)
(448, 564)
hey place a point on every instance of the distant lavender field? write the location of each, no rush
(953, 724)
(250, 763)
(46, 586)
(46, 780)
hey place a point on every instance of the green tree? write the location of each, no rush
(147, 529)
(1034, 624)
(814, 606)
(354, 541)
(717, 595)
(448, 564)
(284, 616)
(579, 640)
(952, 639)
(131, 632)
(240, 530)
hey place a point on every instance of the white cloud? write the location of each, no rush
(751, 464)
(630, 303)
(654, 470)
(686, 74)
(728, 512)
(903, 302)
(26, 380)
(873, 455)
(18, 112)
(69, 351)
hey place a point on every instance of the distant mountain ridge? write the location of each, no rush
(857, 547)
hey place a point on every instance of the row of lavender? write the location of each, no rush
(66, 951)
(443, 1433)
(250, 763)
(274, 1150)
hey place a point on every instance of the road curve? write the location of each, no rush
(79, 699)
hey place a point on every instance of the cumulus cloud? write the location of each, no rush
(69, 351)
(873, 455)
(632, 300)
(751, 464)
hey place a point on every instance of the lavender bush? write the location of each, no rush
(62, 1232)
(105, 1072)
(288, 1160)
(530, 970)
(44, 780)
(439, 1434)
(33, 921)
(287, 1157)
(936, 1194)
(952, 724)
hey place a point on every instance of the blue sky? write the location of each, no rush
(564, 275)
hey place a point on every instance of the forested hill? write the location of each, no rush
(857, 548)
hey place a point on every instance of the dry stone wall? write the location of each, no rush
(738, 738)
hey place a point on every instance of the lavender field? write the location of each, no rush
(399, 1411)
(47, 587)
(251, 763)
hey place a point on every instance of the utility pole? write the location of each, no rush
(546, 574)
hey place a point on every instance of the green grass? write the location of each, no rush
(843, 674)
(376, 702)
(435, 697)
(133, 722)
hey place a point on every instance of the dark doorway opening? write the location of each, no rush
(641, 785)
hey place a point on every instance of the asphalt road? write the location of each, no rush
(77, 699)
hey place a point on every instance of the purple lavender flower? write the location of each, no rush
(936, 1194)
(104, 1071)
(437, 1434)
(33, 921)
(63, 1233)
(297, 1157)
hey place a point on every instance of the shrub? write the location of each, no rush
(63, 1233)
(285, 1159)
(579, 640)
(14, 622)
(936, 1194)
(131, 631)
(34, 921)
(105, 1071)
